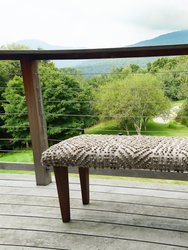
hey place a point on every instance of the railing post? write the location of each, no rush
(36, 117)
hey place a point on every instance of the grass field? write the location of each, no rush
(178, 103)
(26, 156)
(155, 129)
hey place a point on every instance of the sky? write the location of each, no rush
(90, 23)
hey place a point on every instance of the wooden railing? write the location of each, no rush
(28, 60)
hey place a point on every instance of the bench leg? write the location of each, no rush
(84, 182)
(62, 183)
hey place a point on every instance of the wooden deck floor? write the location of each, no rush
(122, 215)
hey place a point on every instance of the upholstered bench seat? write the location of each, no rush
(118, 151)
(111, 151)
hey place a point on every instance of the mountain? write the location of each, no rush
(38, 44)
(177, 37)
(90, 67)
(106, 65)
(102, 66)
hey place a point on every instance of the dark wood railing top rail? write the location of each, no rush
(126, 52)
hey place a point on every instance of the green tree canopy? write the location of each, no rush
(173, 73)
(132, 101)
(8, 70)
(65, 101)
(14, 46)
(15, 117)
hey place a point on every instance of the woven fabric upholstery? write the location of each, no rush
(118, 151)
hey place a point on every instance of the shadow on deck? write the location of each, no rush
(122, 215)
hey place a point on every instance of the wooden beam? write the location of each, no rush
(125, 52)
(108, 172)
(36, 118)
(17, 166)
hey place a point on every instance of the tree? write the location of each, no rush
(162, 63)
(182, 116)
(8, 69)
(173, 73)
(65, 101)
(182, 78)
(15, 117)
(116, 75)
(14, 46)
(132, 101)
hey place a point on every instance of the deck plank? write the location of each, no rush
(32, 189)
(126, 207)
(73, 241)
(12, 246)
(98, 229)
(139, 220)
(122, 215)
(127, 195)
(107, 182)
(105, 187)
(107, 197)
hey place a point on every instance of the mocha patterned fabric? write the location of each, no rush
(119, 151)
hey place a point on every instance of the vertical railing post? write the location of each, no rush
(36, 117)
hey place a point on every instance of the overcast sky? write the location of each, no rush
(90, 23)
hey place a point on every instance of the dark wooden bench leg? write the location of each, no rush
(84, 182)
(62, 182)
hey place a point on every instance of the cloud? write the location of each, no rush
(158, 15)
(93, 23)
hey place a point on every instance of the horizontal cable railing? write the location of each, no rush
(62, 128)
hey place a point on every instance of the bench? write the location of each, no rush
(111, 151)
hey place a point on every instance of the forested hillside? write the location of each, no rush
(90, 67)
(178, 37)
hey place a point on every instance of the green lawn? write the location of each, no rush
(155, 129)
(178, 103)
(26, 156)
(107, 127)
(170, 129)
